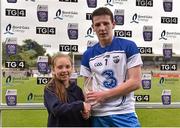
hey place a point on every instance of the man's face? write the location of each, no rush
(103, 26)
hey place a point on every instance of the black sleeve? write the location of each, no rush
(58, 108)
(80, 92)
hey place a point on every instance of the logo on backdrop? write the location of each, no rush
(73, 1)
(43, 80)
(147, 33)
(169, 20)
(42, 64)
(134, 19)
(119, 16)
(168, 67)
(9, 80)
(112, 2)
(15, 12)
(46, 30)
(88, 16)
(165, 35)
(142, 98)
(30, 0)
(72, 30)
(34, 97)
(144, 3)
(11, 1)
(109, 2)
(42, 67)
(140, 18)
(122, 33)
(61, 14)
(15, 77)
(15, 64)
(11, 46)
(10, 29)
(168, 5)
(161, 81)
(92, 3)
(145, 50)
(146, 81)
(42, 13)
(90, 33)
(167, 50)
(68, 48)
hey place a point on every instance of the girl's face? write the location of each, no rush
(62, 68)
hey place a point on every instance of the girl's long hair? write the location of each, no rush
(55, 84)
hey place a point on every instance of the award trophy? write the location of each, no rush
(88, 87)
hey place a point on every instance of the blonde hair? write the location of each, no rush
(57, 85)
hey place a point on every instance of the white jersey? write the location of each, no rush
(109, 66)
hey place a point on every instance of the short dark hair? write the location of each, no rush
(102, 11)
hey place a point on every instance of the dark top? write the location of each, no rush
(65, 114)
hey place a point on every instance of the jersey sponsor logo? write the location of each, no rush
(98, 64)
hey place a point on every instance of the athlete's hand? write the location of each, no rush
(98, 97)
(87, 110)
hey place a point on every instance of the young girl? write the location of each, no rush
(64, 100)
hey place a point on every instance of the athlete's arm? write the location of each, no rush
(131, 84)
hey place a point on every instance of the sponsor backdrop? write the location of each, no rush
(65, 25)
(52, 23)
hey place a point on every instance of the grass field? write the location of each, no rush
(38, 118)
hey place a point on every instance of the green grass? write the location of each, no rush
(38, 118)
(24, 118)
(159, 117)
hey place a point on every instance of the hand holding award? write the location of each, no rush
(88, 88)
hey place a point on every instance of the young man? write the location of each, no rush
(116, 67)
